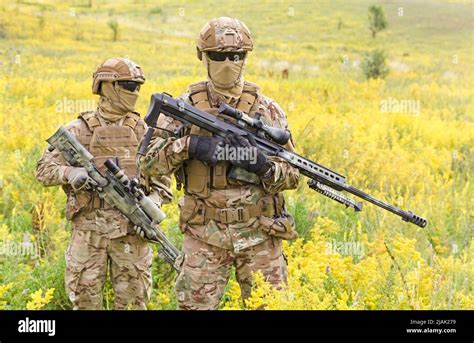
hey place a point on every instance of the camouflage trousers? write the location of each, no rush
(205, 271)
(89, 257)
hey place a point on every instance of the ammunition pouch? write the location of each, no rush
(239, 175)
(282, 226)
(78, 202)
(201, 178)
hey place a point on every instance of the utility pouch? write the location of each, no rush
(282, 226)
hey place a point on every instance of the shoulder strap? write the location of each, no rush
(249, 96)
(250, 87)
(90, 119)
(131, 120)
(197, 87)
(198, 95)
(200, 98)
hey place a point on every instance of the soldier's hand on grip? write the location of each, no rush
(204, 149)
(141, 233)
(80, 180)
(251, 157)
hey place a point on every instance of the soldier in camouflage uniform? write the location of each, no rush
(101, 235)
(233, 212)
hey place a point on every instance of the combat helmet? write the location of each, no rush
(116, 69)
(224, 34)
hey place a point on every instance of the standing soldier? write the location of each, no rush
(101, 235)
(232, 212)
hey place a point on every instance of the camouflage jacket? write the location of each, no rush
(80, 206)
(168, 154)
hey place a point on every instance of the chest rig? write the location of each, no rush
(118, 142)
(199, 178)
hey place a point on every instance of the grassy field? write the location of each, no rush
(419, 158)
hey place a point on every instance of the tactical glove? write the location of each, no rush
(258, 165)
(140, 233)
(80, 180)
(204, 149)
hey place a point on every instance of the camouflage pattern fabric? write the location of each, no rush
(205, 271)
(102, 238)
(166, 154)
(88, 259)
(212, 247)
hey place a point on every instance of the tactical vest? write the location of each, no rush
(199, 177)
(115, 141)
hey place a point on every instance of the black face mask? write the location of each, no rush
(220, 56)
(131, 86)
